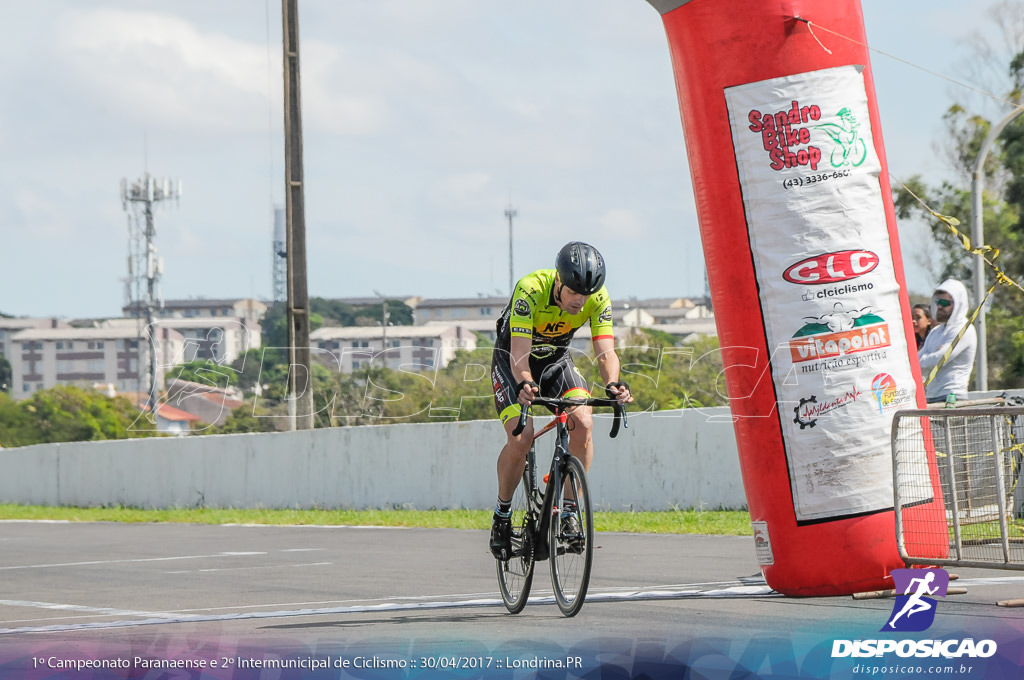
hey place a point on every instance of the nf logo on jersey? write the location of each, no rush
(914, 610)
(554, 329)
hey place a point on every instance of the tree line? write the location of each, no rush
(662, 375)
(997, 66)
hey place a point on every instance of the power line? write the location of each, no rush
(943, 76)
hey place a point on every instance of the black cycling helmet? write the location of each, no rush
(580, 267)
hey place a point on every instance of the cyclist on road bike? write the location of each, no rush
(546, 309)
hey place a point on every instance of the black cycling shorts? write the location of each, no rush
(556, 377)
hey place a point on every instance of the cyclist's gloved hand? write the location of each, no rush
(532, 389)
(618, 390)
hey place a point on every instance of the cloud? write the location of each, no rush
(159, 67)
(461, 187)
(33, 210)
(622, 221)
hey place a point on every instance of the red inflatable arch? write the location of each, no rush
(799, 235)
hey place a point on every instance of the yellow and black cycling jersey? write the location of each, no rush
(533, 313)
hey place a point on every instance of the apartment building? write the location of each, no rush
(681, 317)
(457, 310)
(201, 308)
(8, 328)
(42, 358)
(217, 339)
(48, 352)
(482, 328)
(656, 312)
(407, 348)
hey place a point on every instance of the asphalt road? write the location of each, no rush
(424, 596)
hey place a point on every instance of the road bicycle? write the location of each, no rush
(540, 528)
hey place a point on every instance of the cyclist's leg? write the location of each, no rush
(511, 459)
(515, 549)
(581, 439)
(563, 379)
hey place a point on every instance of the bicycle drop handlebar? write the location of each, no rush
(561, 403)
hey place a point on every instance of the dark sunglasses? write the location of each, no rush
(941, 302)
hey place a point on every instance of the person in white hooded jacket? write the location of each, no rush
(949, 309)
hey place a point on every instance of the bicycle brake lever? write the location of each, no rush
(521, 425)
(620, 418)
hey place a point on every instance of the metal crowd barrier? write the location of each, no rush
(972, 457)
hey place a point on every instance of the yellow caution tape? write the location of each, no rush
(986, 252)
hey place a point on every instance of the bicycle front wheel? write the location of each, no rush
(515, 575)
(572, 542)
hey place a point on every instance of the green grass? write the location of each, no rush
(721, 523)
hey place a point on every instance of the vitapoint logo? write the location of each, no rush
(914, 611)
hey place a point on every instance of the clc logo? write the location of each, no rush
(832, 267)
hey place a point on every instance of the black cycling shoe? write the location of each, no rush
(501, 537)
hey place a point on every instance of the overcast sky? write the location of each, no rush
(423, 121)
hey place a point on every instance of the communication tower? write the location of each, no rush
(144, 267)
(280, 255)
(510, 213)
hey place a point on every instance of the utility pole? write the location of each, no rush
(978, 239)
(510, 212)
(300, 387)
(144, 267)
(384, 316)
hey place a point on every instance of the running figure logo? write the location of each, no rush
(914, 610)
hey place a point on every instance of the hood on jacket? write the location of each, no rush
(956, 290)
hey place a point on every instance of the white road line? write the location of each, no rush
(265, 566)
(82, 608)
(390, 606)
(336, 603)
(994, 581)
(139, 559)
(242, 554)
(410, 603)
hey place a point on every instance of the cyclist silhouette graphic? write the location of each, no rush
(850, 149)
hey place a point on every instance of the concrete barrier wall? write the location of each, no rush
(669, 459)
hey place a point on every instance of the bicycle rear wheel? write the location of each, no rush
(572, 543)
(515, 575)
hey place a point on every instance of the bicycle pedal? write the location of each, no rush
(574, 544)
